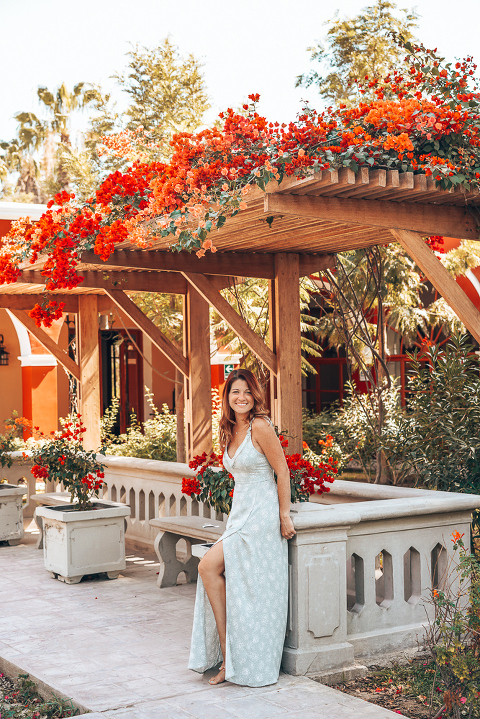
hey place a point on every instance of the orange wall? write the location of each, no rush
(10, 376)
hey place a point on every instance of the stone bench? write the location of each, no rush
(47, 499)
(193, 530)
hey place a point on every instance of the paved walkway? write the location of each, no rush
(119, 648)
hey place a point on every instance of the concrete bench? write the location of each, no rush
(194, 530)
(47, 499)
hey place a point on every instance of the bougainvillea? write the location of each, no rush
(214, 486)
(62, 458)
(427, 121)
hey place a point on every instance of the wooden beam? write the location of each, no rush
(47, 342)
(241, 264)
(288, 347)
(132, 281)
(224, 264)
(27, 301)
(197, 387)
(451, 221)
(233, 319)
(309, 264)
(89, 357)
(150, 329)
(441, 279)
(168, 282)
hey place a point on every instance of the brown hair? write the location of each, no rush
(227, 421)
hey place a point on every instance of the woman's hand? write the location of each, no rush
(286, 527)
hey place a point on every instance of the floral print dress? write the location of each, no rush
(256, 573)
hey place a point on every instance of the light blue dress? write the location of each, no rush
(256, 573)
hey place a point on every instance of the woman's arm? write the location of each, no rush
(265, 439)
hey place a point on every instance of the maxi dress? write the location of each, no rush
(256, 573)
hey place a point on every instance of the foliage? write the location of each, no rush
(453, 637)
(51, 136)
(155, 438)
(424, 121)
(62, 458)
(166, 92)
(19, 700)
(358, 48)
(13, 438)
(215, 487)
(439, 437)
(250, 299)
(323, 449)
(353, 428)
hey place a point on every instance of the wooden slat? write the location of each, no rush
(47, 342)
(233, 319)
(427, 219)
(150, 329)
(441, 279)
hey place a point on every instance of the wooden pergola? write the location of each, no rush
(291, 230)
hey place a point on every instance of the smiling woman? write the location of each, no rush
(242, 622)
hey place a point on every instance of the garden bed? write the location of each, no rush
(19, 699)
(407, 687)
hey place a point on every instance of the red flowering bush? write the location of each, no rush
(215, 486)
(62, 458)
(427, 121)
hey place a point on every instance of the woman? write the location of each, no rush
(241, 605)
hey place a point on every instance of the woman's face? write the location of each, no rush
(240, 398)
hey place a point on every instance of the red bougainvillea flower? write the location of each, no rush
(426, 120)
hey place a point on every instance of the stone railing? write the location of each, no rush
(153, 489)
(361, 566)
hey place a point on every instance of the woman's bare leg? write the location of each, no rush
(211, 570)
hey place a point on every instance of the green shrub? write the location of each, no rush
(156, 438)
(440, 433)
(354, 428)
(453, 636)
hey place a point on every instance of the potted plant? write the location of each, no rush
(86, 536)
(11, 495)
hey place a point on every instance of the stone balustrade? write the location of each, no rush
(153, 489)
(361, 564)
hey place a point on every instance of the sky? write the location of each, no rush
(246, 46)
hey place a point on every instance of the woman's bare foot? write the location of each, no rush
(219, 678)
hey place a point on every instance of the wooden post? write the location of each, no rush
(198, 397)
(89, 360)
(288, 348)
(272, 337)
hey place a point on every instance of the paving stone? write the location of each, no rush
(121, 648)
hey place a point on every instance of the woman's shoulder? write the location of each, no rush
(262, 423)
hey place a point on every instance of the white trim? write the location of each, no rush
(222, 358)
(22, 334)
(474, 280)
(27, 359)
(15, 210)
(37, 360)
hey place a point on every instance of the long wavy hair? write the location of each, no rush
(259, 409)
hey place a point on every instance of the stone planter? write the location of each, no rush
(11, 513)
(84, 542)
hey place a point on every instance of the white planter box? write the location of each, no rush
(84, 542)
(11, 513)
